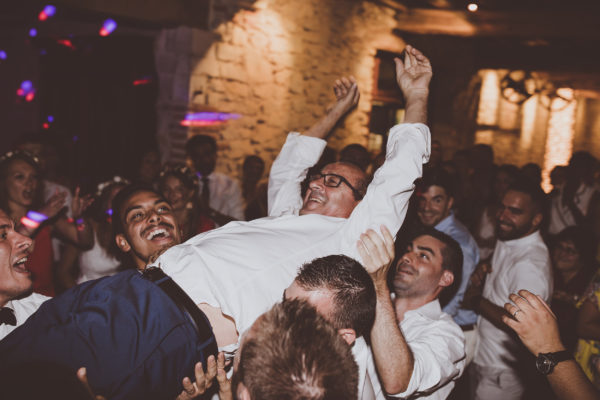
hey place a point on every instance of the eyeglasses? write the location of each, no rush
(570, 251)
(335, 180)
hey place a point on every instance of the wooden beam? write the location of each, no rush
(161, 12)
(524, 24)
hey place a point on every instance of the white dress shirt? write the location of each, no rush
(517, 264)
(244, 267)
(23, 309)
(438, 347)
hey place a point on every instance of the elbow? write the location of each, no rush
(395, 387)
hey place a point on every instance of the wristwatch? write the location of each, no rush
(545, 362)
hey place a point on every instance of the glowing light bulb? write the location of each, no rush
(32, 32)
(472, 7)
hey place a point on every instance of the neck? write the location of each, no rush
(404, 304)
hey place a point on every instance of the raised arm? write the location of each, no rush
(347, 96)
(300, 152)
(413, 76)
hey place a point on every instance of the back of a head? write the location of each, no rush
(293, 353)
(352, 287)
(198, 140)
(356, 154)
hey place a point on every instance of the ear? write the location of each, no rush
(122, 243)
(446, 279)
(450, 203)
(537, 220)
(348, 334)
(242, 392)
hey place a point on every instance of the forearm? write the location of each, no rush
(393, 357)
(416, 108)
(81, 234)
(324, 126)
(493, 313)
(568, 382)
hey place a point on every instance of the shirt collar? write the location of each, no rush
(431, 310)
(446, 222)
(524, 241)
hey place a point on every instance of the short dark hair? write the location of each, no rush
(200, 140)
(296, 354)
(583, 239)
(452, 259)
(356, 154)
(436, 177)
(354, 297)
(534, 191)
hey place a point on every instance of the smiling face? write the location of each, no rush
(21, 183)
(176, 193)
(149, 227)
(565, 257)
(15, 279)
(419, 271)
(434, 205)
(333, 201)
(517, 216)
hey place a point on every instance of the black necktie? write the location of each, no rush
(205, 191)
(7, 316)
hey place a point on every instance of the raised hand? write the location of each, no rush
(377, 253)
(346, 94)
(225, 392)
(80, 204)
(414, 73)
(203, 381)
(54, 204)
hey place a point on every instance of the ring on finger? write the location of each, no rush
(516, 312)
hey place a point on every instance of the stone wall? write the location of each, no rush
(273, 64)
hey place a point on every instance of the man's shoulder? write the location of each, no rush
(457, 231)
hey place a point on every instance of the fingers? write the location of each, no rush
(82, 376)
(399, 66)
(520, 302)
(511, 309)
(389, 241)
(211, 370)
(512, 323)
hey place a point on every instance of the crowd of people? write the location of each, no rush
(403, 274)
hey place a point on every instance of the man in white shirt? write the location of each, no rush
(419, 350)
(17, 302)
(219, 192)
(520, 261)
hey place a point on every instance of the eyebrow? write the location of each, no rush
(423, 248)
(129, 209)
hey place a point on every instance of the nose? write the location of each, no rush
(316, 184)
(22, 242)
(153, 217)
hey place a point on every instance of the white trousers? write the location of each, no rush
(489, 383)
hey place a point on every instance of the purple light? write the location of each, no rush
(36, 216)
(75, 138)
(109, 212)
(50, 118)
(3, 55)
(210, 116)
(108, 27)
(26, 86)
(49, 10)
(32, 32)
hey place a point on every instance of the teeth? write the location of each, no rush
(155, 233)
(21, 261)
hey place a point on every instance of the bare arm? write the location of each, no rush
(588, 321)
(347, 95)
(393, 358)
(537, 328)
(413, 76)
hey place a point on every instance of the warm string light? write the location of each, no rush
(487, 113)
(472, 7)
(561, 130)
